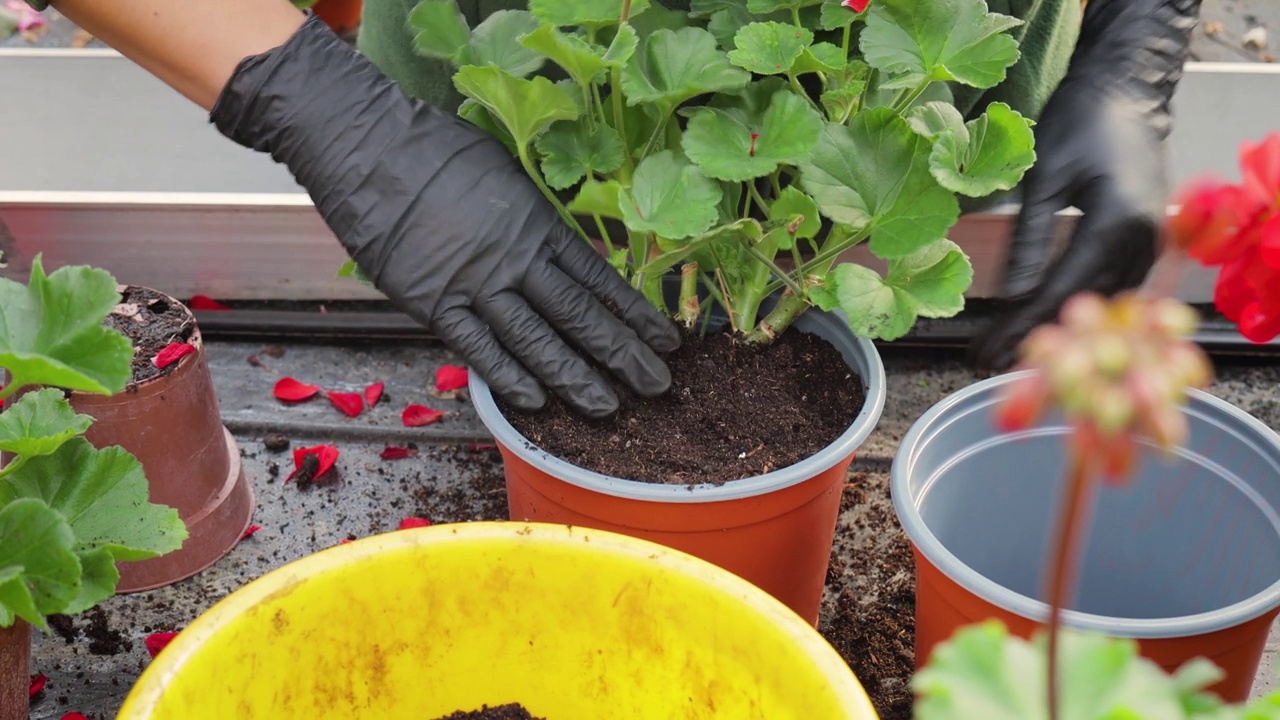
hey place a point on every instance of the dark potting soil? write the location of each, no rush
(501, 712)
(102, 639)
(150, 321)
(734, 410)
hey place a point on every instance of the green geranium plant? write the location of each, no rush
(68, 511)
(749, 143)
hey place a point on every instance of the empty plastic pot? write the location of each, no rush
(1184, 558)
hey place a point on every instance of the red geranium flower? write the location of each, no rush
(856, 5)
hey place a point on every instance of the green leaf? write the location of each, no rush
(39, 423)
(496, 42)
(350, 269)
(103, 495)
(567, 13)
(51, 331)
(707, 8)
(670, 198)
(525, 107)
(726, 147)
(939, 40)
(928, 283)
(836, 16)
(673, 66)
(769, 48)
(845, 90)
(597, 197)
(622, 47)
(820, 57)
(725, 24)
(442, 31)
(932, 120)
(39, 573)
(570, 150)
(764, 7)
(983, 672)
(659, 17)
(98, 578)
(570, 52)
(793, 207)
(874, 175)
(989, 153)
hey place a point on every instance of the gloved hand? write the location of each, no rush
(1100, 148)
(445, 222)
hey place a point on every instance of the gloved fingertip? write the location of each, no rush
(666, 339)
(525, 397)
(652, 379)
(595, 401)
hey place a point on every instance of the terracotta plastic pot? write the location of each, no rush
(1184, 558)
(15, 671)
(775, 530)
(340, 15)
(568, 622)
(173, 426)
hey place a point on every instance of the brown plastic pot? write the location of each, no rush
(172, 424)
(1184, 558)
(15, 671)
(340, 15)
(774, 530)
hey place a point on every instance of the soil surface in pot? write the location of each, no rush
(735, 410)
(151, 321)
(501, 712)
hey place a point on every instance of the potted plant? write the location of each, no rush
(563, 622)
(1180, 562)
(69, 511)
(725, 159)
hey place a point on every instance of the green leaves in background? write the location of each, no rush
(567, 13)
(797, 213)
(927, 283)
(734, 141)
(525, 107)
(571, 149)
(672, 66)
(939, 40)
(769, 48)
(39, 572)
(874, 176)
(989, 153)
(442, 33)
(670, 198)
(39, 423)
(51, 331)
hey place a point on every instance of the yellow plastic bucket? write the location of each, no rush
(573, 624)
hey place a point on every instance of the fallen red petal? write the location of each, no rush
(171, 354)
(413, 522)
(74, 716)
(204, 302)
(249, 531)
(344, 541)
(326, 454)
(291, 390)
(37, 684)
(158, 641)
(392, 452)
(373, 393)
(419, 415)
(450, 378)
(349, 403)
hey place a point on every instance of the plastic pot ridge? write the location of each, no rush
(1184, 557)
(775, 530)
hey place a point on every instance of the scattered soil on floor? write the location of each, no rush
(870, 614)
(483, 498)
(502, 712)
(150, 321)
(102, 639)
(735, 410)
(65, 627)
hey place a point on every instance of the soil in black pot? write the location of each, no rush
(735, 410)
(501, 712)
(150, 321)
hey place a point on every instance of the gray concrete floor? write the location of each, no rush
(370, 495)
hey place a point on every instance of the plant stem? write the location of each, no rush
(1064, 560)
(626, 12)
(604, 233)
(768, 262)
(536, 176)
(795, 15)
(755, 195)
(837, 242)
(657, 132)
(690, 308)
(844, 39)
(777, 186)
(795, 85)
(781, 317)
(904, 99)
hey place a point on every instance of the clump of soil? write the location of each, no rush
(501, 712)
(735, 410)
(102, 639)
(150, 321)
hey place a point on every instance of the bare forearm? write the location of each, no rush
(192, 45)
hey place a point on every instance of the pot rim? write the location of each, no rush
(873, 377)
(933, 550)
(196, 340)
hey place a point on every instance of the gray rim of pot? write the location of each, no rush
(849, 441)
(942, 558)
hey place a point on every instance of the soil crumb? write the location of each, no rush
(501, 712)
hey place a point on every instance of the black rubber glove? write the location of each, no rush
(1100, 147)
(445, 222)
